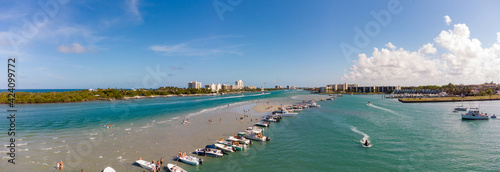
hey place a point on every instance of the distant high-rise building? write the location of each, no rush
(194, 84)
(212, 87)
(239, 84)
(218, 87)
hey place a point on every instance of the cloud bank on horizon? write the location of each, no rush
(460, 59)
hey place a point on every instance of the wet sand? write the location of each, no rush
(121, 146)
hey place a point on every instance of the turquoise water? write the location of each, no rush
(405, 137)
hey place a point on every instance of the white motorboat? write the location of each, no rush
(225, 147)
(460, 108)
(108, 169)
(262, 124)
(147, 165)
(474, 114)
(314, 105)
(190, 160)
(270, 120)
(256, 136)
(240, 137)
(234, 144)
(175, 168)
(210, 150)
(331, 98)
(369, 104)
(254, 129)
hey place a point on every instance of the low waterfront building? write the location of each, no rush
(360, 89)
(278, 87)
(250, 87)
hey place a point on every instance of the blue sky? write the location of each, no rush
(139, 43)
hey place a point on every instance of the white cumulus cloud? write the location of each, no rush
(447, 19)
(73, 48)
(463, 60)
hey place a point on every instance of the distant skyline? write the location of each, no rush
(64, 44)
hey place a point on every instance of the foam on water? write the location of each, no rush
(365, 136)
(381, 108)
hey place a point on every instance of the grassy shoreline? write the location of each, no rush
(449, 99)
(98, 95)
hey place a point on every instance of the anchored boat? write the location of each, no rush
(474, 114)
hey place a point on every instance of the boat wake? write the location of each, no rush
(365, 137)
(381, 108)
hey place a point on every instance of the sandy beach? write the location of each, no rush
(122, 145)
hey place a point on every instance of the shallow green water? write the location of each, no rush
(405, 137)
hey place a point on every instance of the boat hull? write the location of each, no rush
(189, 160)
(468, 117)
(175, 168)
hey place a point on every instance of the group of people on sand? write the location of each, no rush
(157, 165)
(109, 126)
(60, 165)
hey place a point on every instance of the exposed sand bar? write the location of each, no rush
(162, 137)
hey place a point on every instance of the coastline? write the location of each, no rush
(449, 99)
(137, 97)
(150, 138)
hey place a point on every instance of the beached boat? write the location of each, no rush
(108, 169)
(474, 114)
(225, 147)
(190, 160)
(210, 150)
(270, 119)
(147, 165)
(262, 124)
(234, 144)
(314, 105)
(254, 129)
(175, 168)
(256, 136)
(240, 137)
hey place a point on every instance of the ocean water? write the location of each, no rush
(404, 137)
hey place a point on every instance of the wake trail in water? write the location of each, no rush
(381, 108)
(365, 136)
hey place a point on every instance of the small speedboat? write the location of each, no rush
(147, 165)
(262, 124)
(460, 108)
(270, 120)
(240, 137)
(234, 144)
(210, 150)
(369, 104)
(190, 160)
(225, 147)
(108, 169)
(175, 168)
